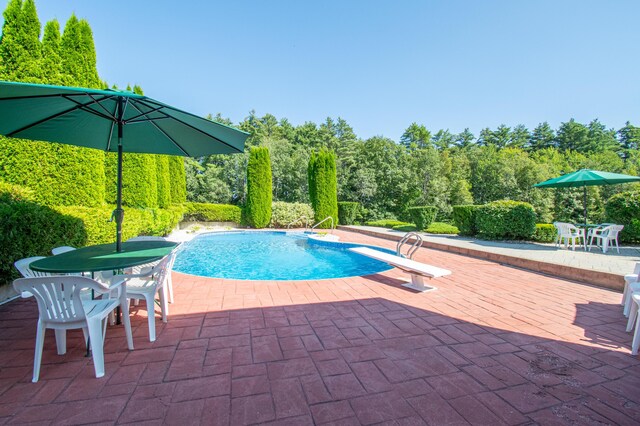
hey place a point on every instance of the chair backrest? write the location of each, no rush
(613, 230)
(22, 266)
(58, 296)
(61, 249)
(147, 238)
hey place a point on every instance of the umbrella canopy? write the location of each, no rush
(113, 121)
(584, 178)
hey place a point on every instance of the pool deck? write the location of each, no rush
(593, 266)
(493, 345)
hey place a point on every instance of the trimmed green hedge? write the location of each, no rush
(206, 212)
(163, 181)
(283, 214)
(624, 209)
(259, 188)
(442, 228)
(544, 233)
(323, 187)
(347, 212)
(178, 180)
(387, 223)
(506, 220)
(423, 215)
(464, 217)
(405, 228)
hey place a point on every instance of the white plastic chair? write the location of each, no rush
(570, 234)
(634, 321)
(61, 249)
(61, 308)
(606, 236)
(22, 266)
(141, 268)
(147, 285)
(557, 225)
(631, 285)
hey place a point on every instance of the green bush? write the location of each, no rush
(405, 228)
(506, 220)
(259, 188)
(31, 229)
(624, 209)
(205, 212)
(423, 215)
(139, 182)
(284, 214)
(544, 233)
(163, 181)
(323, 186)
(178, 180)
(464, 217)
(347, 212)
(387, 223)
(441, 228)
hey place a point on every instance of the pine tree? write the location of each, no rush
(629, 137)
(542, 137)
(465, 138)
(51, 67)
(572, 136)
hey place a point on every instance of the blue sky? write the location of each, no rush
(380, 65)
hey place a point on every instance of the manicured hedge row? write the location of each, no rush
(284, 214)
(387, 223)
(423, 216)
(347, 212)
(624, 209)
(506, 220)
(544, 233)
(206, 212)
(464, 217)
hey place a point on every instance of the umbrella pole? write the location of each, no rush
(584, 202)
(119, 212)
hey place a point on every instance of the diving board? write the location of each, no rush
(417, 270)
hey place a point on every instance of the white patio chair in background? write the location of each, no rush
(606, 236)
(141, 269)
(147, 285)
(570, 234)
(61, 308)
(61, 249)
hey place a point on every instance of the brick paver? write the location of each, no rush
(493, 345)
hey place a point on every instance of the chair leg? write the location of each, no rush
(151, 314)
(170, 287)
(633, 313)
(126, 320)
(624, 293)
(97, 346)
(37, 359)
(61, 340)
(635, 343)
(627, 301)
(164, 302)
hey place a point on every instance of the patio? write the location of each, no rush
(493, 345)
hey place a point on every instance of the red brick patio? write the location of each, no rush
(493, 345)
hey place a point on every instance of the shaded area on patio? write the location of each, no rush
(493, 345)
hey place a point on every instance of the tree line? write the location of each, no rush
(427, 168)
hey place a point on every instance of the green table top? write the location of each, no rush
(104, 257)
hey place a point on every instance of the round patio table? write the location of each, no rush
(103, 257)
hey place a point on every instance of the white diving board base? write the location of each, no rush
(417, 270)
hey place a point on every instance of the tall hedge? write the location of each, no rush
(464, 217)
(506, 220)
(347, 212)
(323, 191)
(177, 180)
(259, 188)
(139, 181)
(624, 209)
(163, 181)
(422, 216)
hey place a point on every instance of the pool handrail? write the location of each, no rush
(322, 221)
(306, 222)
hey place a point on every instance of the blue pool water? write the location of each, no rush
(271, 256)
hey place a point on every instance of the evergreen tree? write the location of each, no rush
(486, 137)
(178, 180)
(600, 139)
(71, 53)
(323, 191)
(542, 137)
(51, 61)
(20, 49)
(259, 188)
(443, 139)
(629, 137)
(465, 138)
(519, 137)
(572, 136)
(416, 137)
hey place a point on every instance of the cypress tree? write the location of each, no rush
(20, 49)
(89, 67)
(323, 190)
(71, 53)
(259, 188)
(178, 180)
(163, 180)
(51, 67)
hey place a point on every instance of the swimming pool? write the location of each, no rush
(260, 255)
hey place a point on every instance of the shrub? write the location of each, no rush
(423, 215)
(464, 217)
(284, 214)
(31, 229)
(544, 233)
(506, 219)
(163, 181)
(178, 180)
(404, 228)
(323, 186)
(387, 223)
(259, 188)
(441, 228)
(347, 212)
(624, 209)
(206, 212)
(139, 182)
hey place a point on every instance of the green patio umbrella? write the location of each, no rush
(585, 177)
(113, 121)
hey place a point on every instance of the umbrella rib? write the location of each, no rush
(195, 128)
(134, 119)
(163, 132)
(85, 107)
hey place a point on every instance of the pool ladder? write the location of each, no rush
(413, 248)
(306, 222)
(324, 220)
